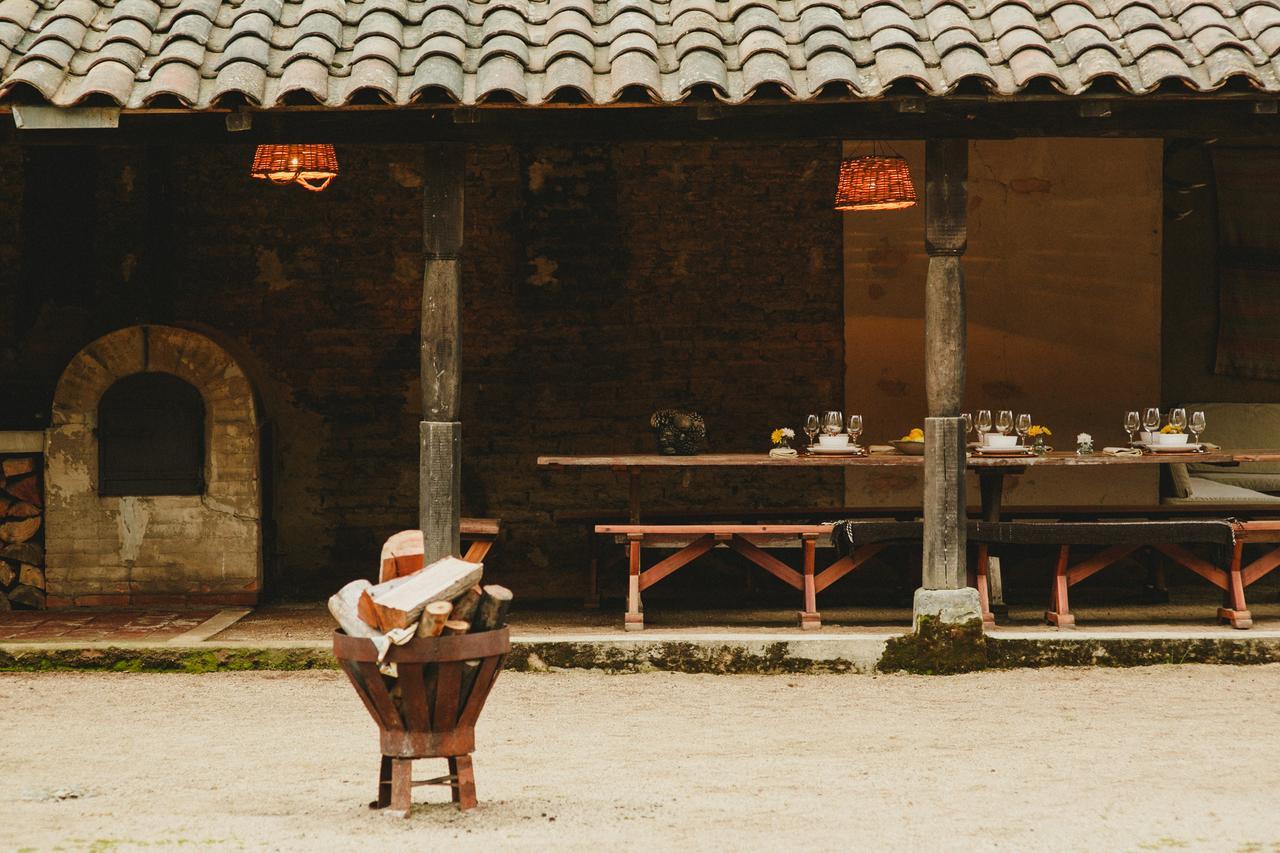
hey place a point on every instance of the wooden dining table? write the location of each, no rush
(992, 471)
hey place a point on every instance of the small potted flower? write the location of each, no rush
(781, 440)
(1039, 433)
(1084, 444)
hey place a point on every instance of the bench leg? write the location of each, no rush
(980, 582)
(1059, 612)
(634, 620)
(810, 619)
(1234, 610)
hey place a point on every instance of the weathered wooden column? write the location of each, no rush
(440, 433)
(943, 594)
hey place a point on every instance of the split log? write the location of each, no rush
(4, 604)
(434, 615)
(491, 614)
(16, 466)
(27, 596)
(26, 489)
(456, 626)
(13, 532)
(31, 576)
(23, 552)
(21, 509)
(342, 606)
(465, 607)
(399, 603)
(5, 503)
(7, 573)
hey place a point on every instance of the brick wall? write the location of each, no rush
(600, 283)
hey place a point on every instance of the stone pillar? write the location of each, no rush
(943, 595)
(440, 465)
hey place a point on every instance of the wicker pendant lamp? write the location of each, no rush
(880, 180)
(310, 166)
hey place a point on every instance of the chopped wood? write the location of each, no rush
(16, 466)
(13, 532)
(464, 608)
(7, 573)
(26, 489)
(434, 615)
(492, 612)
(399, 603)
(27, 596)
(21, 509)
(5, 503)
(456, 626)
(31, 576)
(24, 552)
(342, 605)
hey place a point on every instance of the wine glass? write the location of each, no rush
(1197, 425)
(855, 429)
(1151, 420)
(1004, 421)
(833, 423)
(1178, 419)
(968, 423)
(1024, 425)
(1132, 420)
(984, 424)
(811, 428)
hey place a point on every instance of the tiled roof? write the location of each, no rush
(202, 53)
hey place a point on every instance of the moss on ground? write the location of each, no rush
(162, 659)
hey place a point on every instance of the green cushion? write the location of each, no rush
(1259, 482)
(1207, 491)
(1240, 426)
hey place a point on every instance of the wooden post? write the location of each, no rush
(440, 460)
(946, 236)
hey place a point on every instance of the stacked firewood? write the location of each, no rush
(443, 598)
(22, 582)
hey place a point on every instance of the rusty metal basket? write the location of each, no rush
(441, 686)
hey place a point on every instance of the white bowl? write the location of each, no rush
(1168, 438)
(838, 440)
(995, 439)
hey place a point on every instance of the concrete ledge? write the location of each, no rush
(720, 653)
(21, 441)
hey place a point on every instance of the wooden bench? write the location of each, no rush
(692, 541)
(1118, 539)
(1234, 610)
(403, 553)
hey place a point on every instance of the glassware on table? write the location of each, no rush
(1004, 421)
(984, 424)
(1151, 420)
(1132, 420)
(1196, 425)
(833, 423)
(811, 428)
(968, 424)
(855, 429)
(1023, 425)
(1178, 419)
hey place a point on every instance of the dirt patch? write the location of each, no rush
(1078, 759)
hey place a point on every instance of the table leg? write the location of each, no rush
(634, 619)
(809, 617)
(991, 488)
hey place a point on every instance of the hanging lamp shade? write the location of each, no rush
(874, 182)
(310, 166)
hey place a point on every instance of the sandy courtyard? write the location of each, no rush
(1140, 759)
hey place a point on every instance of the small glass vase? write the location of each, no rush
(1039, 448)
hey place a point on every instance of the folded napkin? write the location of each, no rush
(1122, 451)
(783, 452)
(882, 448)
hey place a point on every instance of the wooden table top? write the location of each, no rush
(763, 460)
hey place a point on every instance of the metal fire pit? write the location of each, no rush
(441, 687)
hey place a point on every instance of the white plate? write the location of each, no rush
(1003, 451)
(1173, 448)
(848, 450)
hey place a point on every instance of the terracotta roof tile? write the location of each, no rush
(200, 53)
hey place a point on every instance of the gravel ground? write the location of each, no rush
(1135, 759)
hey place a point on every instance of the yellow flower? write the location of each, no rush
(1037, 430)
(776, 436)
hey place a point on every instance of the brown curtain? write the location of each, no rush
(1248, 188)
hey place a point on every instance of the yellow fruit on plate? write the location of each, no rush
(916, 434)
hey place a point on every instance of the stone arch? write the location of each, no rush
(164, 548)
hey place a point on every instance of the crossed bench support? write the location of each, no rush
(749, 540)
(1234, 609)
(1119, 539)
